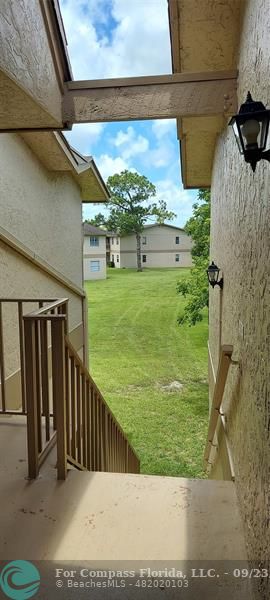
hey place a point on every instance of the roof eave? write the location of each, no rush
(193, 49)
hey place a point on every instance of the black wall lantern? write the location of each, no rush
(213, 275)
(250, 128)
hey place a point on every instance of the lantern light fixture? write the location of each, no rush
(251, 126)
(213, 275)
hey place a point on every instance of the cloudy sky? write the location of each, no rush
(121, 38)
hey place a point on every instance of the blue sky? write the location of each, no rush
(121, 38)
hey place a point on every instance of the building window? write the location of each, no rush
(144, 258)
(144, 239)
(112, 257)
(117, 257)
(177, 258)
(94, 241)
(117, 241)
(177, 239)
(94, 265)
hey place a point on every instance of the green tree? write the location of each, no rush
(195, 287)
(129, 206)
(98, 220)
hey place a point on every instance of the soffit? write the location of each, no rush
(18, 107)
(204, 37)
(53, 150)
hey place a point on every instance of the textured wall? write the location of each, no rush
(158, 238)
(160, 248)
(94, 253)
(88, 274)
(155, 259)
(25, 53)
(20, 279)
(94, 250)
(41, 209)
(240, 245)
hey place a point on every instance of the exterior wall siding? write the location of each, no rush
(160, 248)
(88, 273)
(25, 53)
(41, 209)
(155, 259)
(94, 253)
(21, 279)
(240, 245)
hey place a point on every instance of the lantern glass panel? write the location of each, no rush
(212, 272)
(264, 132)
(238, 136)
(250, 131)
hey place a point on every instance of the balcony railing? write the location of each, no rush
(61, 401)
(17, 306)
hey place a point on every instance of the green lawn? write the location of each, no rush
(136, 350)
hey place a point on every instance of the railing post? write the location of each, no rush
(31, 393)
(85, 331)
(58, 378)
(22, 354)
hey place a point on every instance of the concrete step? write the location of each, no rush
(113, 517)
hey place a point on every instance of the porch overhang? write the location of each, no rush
(156, 97)
(56, 154)
(204, 37)
(38, 95)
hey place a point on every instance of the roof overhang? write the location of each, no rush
(55, 153)
(204, 37)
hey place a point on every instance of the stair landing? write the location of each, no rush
(107, 516)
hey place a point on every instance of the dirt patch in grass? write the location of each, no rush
(173, 386)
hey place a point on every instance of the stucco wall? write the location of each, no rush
(158, 238)
(115, 247)
(158, 244)
(21, 279)
(41, 209)
(94, 253)
(154, 259)
(240, 245)
(25, 54)
(88, 273)
(94, 250)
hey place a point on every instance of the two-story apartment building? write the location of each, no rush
(220, 51)
(94, 252)
(161, 245)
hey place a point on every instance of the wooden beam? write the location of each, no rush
(223, 368)
(157, 97)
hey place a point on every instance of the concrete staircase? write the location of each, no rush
(115, 517)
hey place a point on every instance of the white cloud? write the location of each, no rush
(109, 166)
(135, 40)
(84, 137)
(163, 127)
(177, 199)
(130, 143)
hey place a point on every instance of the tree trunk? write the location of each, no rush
(139, 256)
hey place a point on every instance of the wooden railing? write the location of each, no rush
(94, 439)
(216, 410)
(77, 418)
(41, 371)
(18, 329)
